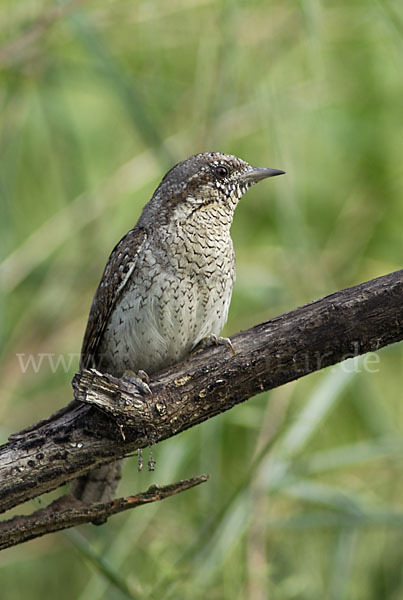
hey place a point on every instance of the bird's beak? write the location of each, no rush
(256, 174)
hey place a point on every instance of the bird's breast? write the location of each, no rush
(179, 293)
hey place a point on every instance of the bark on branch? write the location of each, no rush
(67, 512)
(80, 437)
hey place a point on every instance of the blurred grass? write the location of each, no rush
(97, 101)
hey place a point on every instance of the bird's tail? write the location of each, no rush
(99, 485)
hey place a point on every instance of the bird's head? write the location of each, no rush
(209, 184)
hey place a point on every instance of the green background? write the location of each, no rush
(98, 100)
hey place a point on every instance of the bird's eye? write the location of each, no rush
(221, 171)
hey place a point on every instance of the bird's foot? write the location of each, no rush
(213, 340)
(140, 380)
(222, 341)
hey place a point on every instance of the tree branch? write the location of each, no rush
(68, 512)
(80, 437)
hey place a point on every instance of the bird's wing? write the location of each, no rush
(117, 273)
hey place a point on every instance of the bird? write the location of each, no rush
(167, 284)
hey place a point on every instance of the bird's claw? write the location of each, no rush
(214, 340)
(140, 380)
(222, 341)
(143, 376)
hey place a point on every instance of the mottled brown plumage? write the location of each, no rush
(121, 260)
(168, 282)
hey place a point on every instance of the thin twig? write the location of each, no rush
(67, 512)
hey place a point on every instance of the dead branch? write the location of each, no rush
(109, 420)
(68, 512)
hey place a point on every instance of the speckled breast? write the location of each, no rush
(179, 293)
